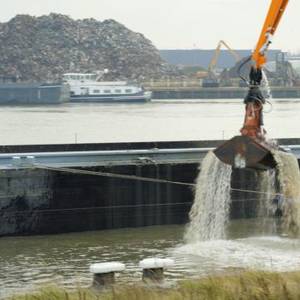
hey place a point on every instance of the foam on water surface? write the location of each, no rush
(263, 253)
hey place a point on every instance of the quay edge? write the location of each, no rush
(218, 93)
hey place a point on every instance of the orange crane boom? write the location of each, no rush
(273, 18)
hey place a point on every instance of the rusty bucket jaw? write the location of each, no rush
(246, 152)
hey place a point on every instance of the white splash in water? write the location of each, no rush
(266, 253)
(210, 212)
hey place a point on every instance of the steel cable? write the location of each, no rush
(140, 178)
(54, 210)
(124, 176)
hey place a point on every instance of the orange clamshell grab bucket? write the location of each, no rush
(249, 150)
(246, 152)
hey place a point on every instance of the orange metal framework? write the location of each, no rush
(275, 13)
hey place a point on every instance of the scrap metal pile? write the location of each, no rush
(43, 48)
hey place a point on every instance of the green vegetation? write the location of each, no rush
(245, 285)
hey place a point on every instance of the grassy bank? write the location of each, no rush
(246, 285)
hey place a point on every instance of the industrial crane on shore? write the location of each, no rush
(217, 52)
(211, 80)
(251, 149)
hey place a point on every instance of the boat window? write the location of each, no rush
(128, 91)
(96, 91)
(73, 77)
(118, 91)
(107, 91)
(93, 77)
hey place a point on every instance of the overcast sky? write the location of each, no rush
(178, 24)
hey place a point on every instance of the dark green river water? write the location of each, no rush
(29, 262)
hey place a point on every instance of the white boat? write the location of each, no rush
(87, 88)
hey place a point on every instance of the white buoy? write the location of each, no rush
(104, 273)
(153, 268)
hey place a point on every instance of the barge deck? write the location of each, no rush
(42, 193)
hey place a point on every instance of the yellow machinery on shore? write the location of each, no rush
(211, 79)
(214, 60)
(251, 149)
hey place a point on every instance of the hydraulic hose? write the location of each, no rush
(240, 68)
